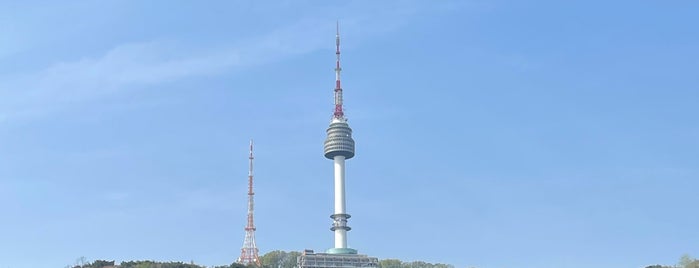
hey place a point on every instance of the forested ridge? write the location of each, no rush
(273, 259)
(686, 261)
(283, 259)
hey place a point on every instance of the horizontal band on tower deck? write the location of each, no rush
(340, 222)
(340, 215)
(346, 228)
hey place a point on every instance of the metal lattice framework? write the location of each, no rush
(249, 253)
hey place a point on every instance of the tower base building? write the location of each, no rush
(309, 259)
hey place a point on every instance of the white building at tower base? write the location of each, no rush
(309, 259)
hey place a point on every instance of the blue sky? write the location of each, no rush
(489, 133)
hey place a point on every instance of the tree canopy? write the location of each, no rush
(685, 261)
(272, 259)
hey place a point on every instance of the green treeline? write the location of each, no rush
(283, 259)
(273, 259)
(686, 261)
(392, 263)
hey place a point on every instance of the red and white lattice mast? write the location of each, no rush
(249, 252)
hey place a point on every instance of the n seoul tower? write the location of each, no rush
(339, 146)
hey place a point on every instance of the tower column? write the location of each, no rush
(340, 233)
(339, 184)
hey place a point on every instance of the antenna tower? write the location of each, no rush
(339, 146)
(249, 252)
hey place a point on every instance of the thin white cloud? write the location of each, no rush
(121, 68)
(139, 65)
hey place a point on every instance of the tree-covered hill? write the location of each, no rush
(283, 259)
(273, 259)
(686, 261)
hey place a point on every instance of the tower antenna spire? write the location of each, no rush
(249, 253)
(339, 113)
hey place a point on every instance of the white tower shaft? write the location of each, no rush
(340, 233)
